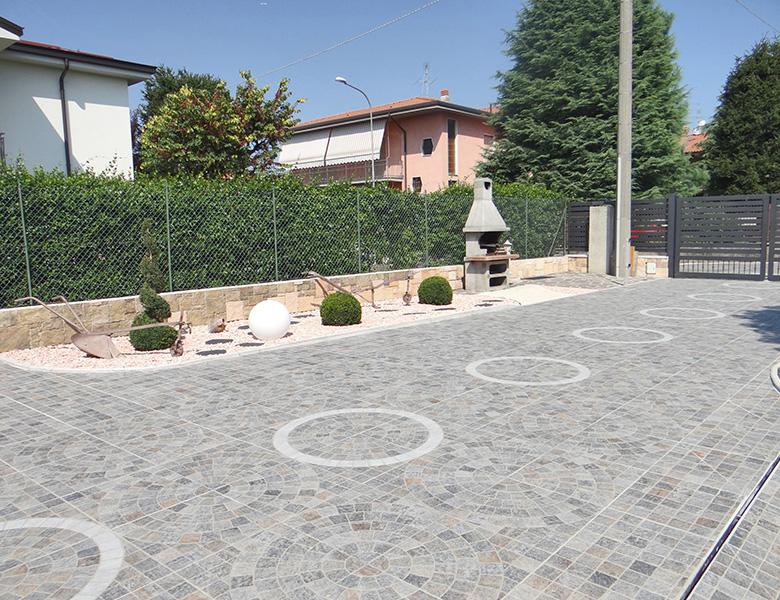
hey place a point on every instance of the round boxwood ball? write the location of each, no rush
(339, 308)
(153, 338)
(435, 290)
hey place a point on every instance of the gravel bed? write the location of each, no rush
(237, 338)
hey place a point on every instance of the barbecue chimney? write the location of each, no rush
(486, 264)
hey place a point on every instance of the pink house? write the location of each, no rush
(420, 144)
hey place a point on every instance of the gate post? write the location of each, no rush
(771, 275)
(767, 220)
(671, 234)
(601, 227)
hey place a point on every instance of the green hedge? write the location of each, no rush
(83, 231)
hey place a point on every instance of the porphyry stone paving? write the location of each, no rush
(614, 483)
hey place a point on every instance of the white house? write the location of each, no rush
(64, 109)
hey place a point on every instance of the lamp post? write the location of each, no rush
(623, 217)
(340, 79)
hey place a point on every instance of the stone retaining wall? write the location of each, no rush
(33, 326)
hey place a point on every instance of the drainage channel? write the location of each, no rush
(724, 537)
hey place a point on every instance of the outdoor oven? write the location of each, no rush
(486, 263)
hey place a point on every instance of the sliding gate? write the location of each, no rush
(724, 237)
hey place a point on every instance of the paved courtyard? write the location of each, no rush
(525, 452)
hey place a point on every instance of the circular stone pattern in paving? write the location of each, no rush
(50, 557)
(579, 372)
(373, 551)
(622, 335)
(723, 297)
(353, 440)
(679, 313)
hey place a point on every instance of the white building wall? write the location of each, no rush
(31, 118)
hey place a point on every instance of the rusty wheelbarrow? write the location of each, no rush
(97, 344)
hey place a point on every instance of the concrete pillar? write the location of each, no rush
(601, 231)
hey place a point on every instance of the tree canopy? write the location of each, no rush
(557, 116)
(206, 131)
(164, 81)
(743, 145)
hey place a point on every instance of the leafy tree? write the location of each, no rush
(743, 146)
(164, 81)
(557, 118)
(209, 133)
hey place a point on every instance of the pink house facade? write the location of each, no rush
(420, 144)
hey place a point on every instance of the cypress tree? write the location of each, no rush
(557, 117)
(743, 147)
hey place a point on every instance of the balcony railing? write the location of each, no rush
(356, 172)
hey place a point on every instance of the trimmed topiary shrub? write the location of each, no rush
(156, 309)
(154, 304)
(339, 308)
(154, 338)
(435, 290)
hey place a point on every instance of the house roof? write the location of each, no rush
(49, 50)
(692, 142)
(11, 26)
(415, 104)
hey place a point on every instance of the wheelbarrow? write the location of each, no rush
(97, 344)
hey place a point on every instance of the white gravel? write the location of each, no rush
(237, 338)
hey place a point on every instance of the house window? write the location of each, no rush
(417, 184)
(488, 140)
(427, 146)
(452, 135)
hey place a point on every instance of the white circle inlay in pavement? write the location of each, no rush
(582, 334)
(583, 372)
(282, 439)
(708, 314)
(112, 553)
(751, 285)
(719, 297)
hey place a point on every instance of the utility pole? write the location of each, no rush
(623, 212)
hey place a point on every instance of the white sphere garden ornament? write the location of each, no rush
(269, 320)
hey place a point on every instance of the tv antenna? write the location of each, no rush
(426, 81)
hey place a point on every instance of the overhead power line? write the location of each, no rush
(353, 38)
(756, 15)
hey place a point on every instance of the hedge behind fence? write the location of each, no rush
(83, 231)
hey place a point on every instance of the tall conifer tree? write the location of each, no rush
(743, 149)
(557, 118)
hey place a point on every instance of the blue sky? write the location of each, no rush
(463, 41)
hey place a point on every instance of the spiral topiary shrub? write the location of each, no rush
(153, 338)
(339, 308)
(435, 290)
(154, 305)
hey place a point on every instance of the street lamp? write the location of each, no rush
(343, 80)
(623, 216)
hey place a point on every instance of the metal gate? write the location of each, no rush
(723, 237)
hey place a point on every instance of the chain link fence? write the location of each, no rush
(82, 238)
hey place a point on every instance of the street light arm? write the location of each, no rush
(359, 90)
(371, 123)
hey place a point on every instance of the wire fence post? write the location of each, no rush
(427, 248)
(168, 236)
(276, 235)
(359, 249)
(24, 238)
(525, 254)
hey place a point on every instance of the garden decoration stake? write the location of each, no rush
(178, 346)
(315, 275)
(98, 345)
(407, 297)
